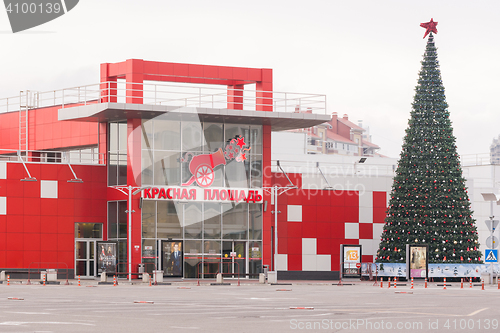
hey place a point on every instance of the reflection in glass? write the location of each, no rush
(192, 220)
(122, 219)
(191, 136)
(214, 137)
(212, 225)
(237, 173)
(166, 168)
(148, 219)
(255, 221)
(169, 220)
(167, 134)
(235, 221)
(112, 218)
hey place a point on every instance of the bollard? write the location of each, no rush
(44, 280)
(425, 283)
(389, 284)
(381, 283)
(79, 284)
(150, 280)
(498, 283)
(444, 283)
(8, 280)
(394, 283)
(462, 283)
(411, 282)
(114, 280)
(470, 282)
(482, 285)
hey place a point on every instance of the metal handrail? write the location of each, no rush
(59, 157)
(170, 94)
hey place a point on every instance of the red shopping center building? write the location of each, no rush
(167, 167)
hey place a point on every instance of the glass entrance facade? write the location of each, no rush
(202, 229)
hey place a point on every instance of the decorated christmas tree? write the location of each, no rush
(429, 203)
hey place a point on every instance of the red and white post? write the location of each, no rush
(444, 283)
(411, 282)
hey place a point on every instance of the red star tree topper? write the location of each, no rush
(430, 27)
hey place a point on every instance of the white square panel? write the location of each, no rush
(308, 245)
(365, 214)
(3, 170)
(366, 199)
(309, 262)
(281, 262)
(324, 262)
(368, 246)
(294, 213)
(377, 230)
(351, 230)
(3, 205)
(48, 189)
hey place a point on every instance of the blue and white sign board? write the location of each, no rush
(491, 255)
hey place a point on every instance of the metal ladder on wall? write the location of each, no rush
(27, 100)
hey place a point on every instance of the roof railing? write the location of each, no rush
(169, 94)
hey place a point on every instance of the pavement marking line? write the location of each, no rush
(144, 302)
(476, 312)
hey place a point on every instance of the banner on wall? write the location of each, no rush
(172, 258)
(417, 261)
(434, 270)
(350, 260)
(106, 258)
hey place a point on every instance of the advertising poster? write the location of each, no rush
(351, 260)
(106, 258)
(172, 258)
(417, 260)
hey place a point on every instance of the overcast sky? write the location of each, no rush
(364, 55)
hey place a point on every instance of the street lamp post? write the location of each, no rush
(130, 191)
(275, 190)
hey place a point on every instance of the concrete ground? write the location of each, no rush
(312, 306)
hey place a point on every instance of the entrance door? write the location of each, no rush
(85, 266)
(234, 259)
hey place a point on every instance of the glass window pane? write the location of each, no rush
(214, 137)
(113, 169)
(112, 219)
(192, 256)
(122, 169)
(166, 168)
(113, 137)
(255, 221)
(167, 134)
(256, 171)
(148, 218)
(122, 137)
(192, 220)
(237, 173)
(231, 131)
(191, 136)
(212, 225)
(235, 221)
(88, 230)
(169, 220)
(255, 140)
(147, 134)
(149, 255)
(122, 219)
(147, 167)
(255, 257)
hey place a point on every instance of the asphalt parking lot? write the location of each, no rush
(250, 307)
